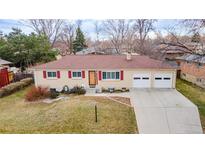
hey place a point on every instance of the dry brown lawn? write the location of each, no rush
(75, 115)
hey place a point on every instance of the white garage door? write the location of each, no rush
(142, 80)
(163, 80)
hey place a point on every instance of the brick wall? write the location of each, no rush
(193, 72)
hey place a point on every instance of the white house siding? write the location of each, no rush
(70, 82)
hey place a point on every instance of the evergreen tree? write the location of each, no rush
(79, 42)
(25, 50)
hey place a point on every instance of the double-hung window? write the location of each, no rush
(76, 74)
(111, 75)
(52, 74)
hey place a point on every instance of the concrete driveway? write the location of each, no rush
(165, 111)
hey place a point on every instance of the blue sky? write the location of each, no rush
(87, 26)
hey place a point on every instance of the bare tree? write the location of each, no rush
(117, 31)
(194, 25)
(97, 30)
(49, 27)
(176, 40)
(142, 27)
(67, 35)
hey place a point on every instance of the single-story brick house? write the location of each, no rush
(192, 68)
(105, 71)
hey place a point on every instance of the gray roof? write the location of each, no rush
(86, 52)
(193, 58)
(4, 62)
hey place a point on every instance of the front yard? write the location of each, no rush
(196, 95)
(75, 115)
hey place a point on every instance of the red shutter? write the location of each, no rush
(100, 75)
(121, 75)
(83, 74)
(69, 74)
(58, 74)
(44, 74)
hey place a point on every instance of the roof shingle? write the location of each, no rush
(193, 58)
(4, 62)
(104, 62)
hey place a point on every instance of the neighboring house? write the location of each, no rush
(192, 67)
(90, 51)
(4, 63)
(4, 74)
(105, 71)
(170, 55)
(105, 51)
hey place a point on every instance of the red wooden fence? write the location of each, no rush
(4, 77)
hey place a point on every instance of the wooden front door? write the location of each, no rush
(92, 78)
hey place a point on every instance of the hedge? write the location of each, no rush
(13, 87)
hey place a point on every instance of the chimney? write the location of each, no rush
(129, 56)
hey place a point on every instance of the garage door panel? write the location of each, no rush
(163, 80)
(142, 80)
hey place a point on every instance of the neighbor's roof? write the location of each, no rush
(4, 62)
(173, 52)
(103, 62)
(193, 58)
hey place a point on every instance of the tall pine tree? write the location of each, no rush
(79, 42)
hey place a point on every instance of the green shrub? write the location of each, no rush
(13, 87)
(78, 90)
(27, 81)
(2, 92)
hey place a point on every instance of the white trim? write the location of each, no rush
(35, 79)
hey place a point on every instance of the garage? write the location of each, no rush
(142, 80)
(162, 80)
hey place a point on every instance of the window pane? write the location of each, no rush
(112, 75)
(167, 78)
(51, 74)
(79, 74)
(74, 74)
(104, 75)
(158, 78)
(108, 75)
(117, 75)
(54, 74)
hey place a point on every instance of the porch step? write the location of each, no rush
(92, 90)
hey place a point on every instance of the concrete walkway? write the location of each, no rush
(162, 111)
(165, 111)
